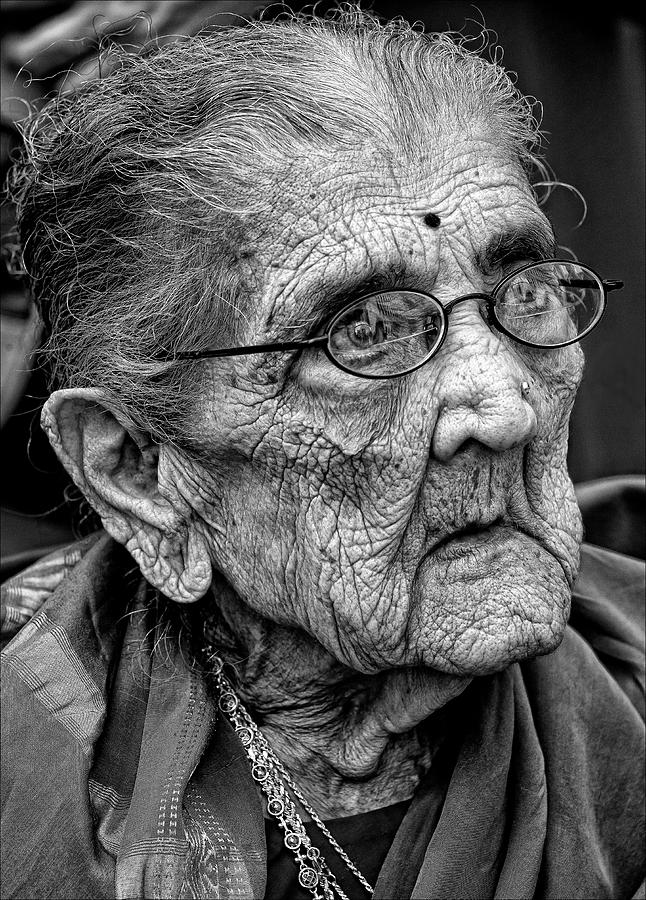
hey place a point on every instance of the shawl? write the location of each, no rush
(120, 779)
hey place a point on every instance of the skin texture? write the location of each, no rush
(328, 505)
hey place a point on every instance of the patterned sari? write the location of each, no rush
(120, 779)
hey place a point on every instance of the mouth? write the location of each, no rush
(473, 537)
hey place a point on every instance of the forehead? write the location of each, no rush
(352, 216)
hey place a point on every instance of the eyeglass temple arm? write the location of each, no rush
(610, 285)
(242, 351)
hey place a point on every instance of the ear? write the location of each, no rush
(117, 468)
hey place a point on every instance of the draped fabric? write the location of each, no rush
(120, 780)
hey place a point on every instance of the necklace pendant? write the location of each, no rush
(214, 662)
(308, 878)
(275, 807)
(245, 735)
(259, 772)
(292, 840)
(228, 702)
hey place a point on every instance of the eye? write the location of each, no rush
(386, 334)
(363, 333)
(540, 291)
(550, 304)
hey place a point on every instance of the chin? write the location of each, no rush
(493, 653)
(479, 609)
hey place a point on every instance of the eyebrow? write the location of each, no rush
(326, 299)
(530, 243)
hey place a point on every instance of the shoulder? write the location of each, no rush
(23, 595)
(72, 581)
(61, 621)
(608, 613)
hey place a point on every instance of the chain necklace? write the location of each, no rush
(276, 783)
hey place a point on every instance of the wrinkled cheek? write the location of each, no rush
(351, 613)
(558, 375)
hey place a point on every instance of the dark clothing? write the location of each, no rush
(366, 839)
(120, 780)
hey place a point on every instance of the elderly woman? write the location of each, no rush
(315, 361)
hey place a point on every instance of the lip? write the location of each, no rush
(466, 540)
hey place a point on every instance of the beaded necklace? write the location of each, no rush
(282, 794)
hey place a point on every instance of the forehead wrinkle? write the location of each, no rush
(330, 219)
(337, 252)
(320, 287)
(329, 185)
(322, 292)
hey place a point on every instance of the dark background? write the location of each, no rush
(584, 62)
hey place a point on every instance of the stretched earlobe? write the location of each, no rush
(117, 468)
(178, 566)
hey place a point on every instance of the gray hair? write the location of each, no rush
(133, 191)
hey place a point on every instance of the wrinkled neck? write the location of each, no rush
(352, 742)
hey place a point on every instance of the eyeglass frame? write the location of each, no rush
(323, 341)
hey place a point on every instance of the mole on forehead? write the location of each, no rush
(338, 212)
(328, 190)
(326, 214)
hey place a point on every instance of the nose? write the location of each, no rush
(484, 393)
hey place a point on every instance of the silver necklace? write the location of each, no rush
(279, 788)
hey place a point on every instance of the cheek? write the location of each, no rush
(553, 377)
(557, 372)
(556, 376)
(315, 515)
(336, 486)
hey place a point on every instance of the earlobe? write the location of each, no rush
(179, 566)
(116, 468)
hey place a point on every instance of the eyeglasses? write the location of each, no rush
(387, 334)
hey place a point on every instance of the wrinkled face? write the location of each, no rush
(424, 520)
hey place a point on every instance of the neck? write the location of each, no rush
(351, 741)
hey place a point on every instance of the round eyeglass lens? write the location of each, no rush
(550, 304)
(386, 334)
